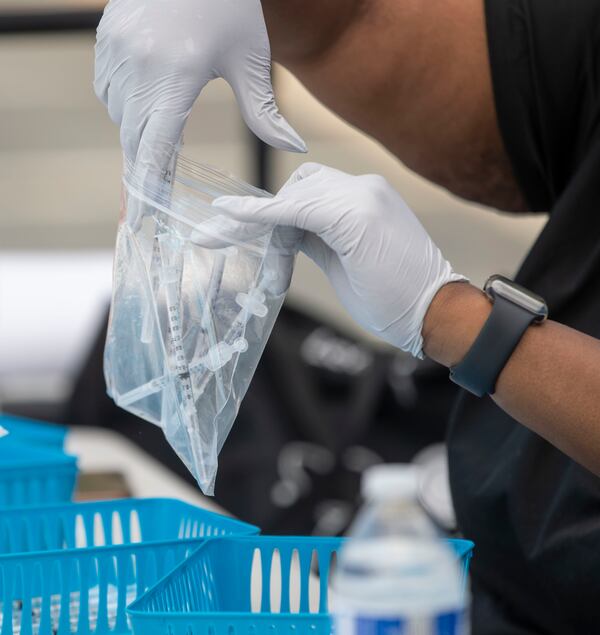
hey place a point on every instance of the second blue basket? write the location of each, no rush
(74, 568)
(33, 467)
(211, 593)
(47, 435)
(30, 475)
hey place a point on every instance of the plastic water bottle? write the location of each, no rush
(395, 575)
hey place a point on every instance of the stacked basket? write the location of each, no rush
(34, 468)
(77, 567)
(257, 585)
(74, 568)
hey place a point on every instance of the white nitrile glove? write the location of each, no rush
(154, 57)
(378, 257)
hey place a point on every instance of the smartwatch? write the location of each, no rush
(514, 309)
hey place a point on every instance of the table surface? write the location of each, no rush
(104, 450)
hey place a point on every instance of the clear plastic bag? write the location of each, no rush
(195, 296)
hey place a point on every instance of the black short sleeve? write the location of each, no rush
(533, 513)
(545, 63)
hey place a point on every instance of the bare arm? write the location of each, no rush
(559, 401)
(413, 74)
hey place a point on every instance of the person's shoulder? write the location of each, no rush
(545, 59)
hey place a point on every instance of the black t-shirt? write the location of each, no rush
(533, 512)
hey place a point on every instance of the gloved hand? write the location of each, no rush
(378, 257)
(154, 57)
(222, 231)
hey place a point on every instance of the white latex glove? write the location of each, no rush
(154, 57)
(378, 257)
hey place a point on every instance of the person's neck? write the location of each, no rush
(303, 31)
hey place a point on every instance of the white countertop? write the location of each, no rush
(104, 450)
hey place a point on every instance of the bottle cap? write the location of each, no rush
(390, 480)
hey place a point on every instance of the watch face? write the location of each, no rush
(499, 286)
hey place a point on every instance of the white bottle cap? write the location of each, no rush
(390, 480)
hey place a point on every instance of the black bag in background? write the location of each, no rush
(320, 409)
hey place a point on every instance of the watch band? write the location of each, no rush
(481, 366)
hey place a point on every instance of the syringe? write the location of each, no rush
(220, 353)
(206, 320)
(171, 271)
(148, 317)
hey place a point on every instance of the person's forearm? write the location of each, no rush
(550, 384)
(413, 74)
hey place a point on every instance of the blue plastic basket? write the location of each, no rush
(74, 568)
(48, 435)
(31, 475)
(210, 593)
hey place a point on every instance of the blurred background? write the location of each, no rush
(353, 400)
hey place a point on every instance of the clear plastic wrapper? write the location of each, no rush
(195, 296)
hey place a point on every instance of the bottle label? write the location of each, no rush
(453, 623)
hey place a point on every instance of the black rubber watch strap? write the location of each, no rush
(481, 366)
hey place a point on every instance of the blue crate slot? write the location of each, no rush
(48, 435)
(210, 593)
(30, 475)
(74, 568)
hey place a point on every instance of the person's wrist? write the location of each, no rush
(453, 320)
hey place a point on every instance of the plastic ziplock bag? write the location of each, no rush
(195, 296)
